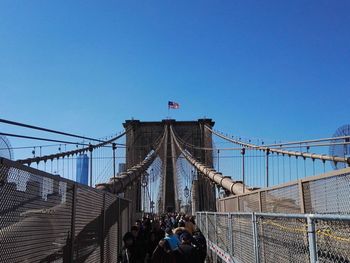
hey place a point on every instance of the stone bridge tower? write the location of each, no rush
(140, 140)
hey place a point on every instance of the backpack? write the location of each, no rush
(200, 245)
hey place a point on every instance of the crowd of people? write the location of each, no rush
(170, 238)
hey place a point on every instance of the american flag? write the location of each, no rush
(173, 105)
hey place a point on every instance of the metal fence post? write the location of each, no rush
(215, 236)
(207, 235)
(230, 234)
(260, 202)
(267, 166)
(312, 239)
(114, 147)
(90, 150)
(301, 196)
(72, 227)
(255, 238)
(215, 229)
(102, 228)
(119, 222)
(207, 224)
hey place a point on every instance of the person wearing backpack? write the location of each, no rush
(185, 252)
(163, 253)
(200, 243)
(172, 239)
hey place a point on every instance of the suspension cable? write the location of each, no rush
(240, 148)
(68, 153)
(295, 142)
(119, 184)
(283, 152)
(274, 146)
(235, 187)
(40, 138)
(47, 130)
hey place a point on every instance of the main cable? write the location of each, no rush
(47, 130)
(40, 138)
(90, 147)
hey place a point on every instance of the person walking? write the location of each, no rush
(185, 252)
(163, 253)
(128, 250)
(172, 239)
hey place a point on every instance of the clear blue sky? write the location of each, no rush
(267, 69)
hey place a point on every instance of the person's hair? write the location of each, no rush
(127, 236)
(168, 231)
(193, 219)
(185, 237)
(134, 228)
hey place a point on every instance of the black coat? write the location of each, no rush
(185, 253)
(161, 255)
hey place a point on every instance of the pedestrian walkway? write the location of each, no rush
(169, 238)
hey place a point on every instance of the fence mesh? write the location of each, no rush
(282, 239)
(211, 227)
(281, 200)
(111, 232)
(203, 222)
(279, 237)
(88, 225)
(328, 195)
(242, 238)
(35, 216)
(223, 231)
(39, 212)
(333, 241)
(249, 203)
(230, 204)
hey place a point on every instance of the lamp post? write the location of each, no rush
(114, 147)
(151, 179)
(218, 160)
(186, 194)
(267, 166)
(90, 150)
(144, 183)
(243, 179)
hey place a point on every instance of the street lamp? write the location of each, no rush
(144, 183)
(243, 179)
(144, 180)
(186, 192)
(151, 179)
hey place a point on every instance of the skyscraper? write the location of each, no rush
(82, 174)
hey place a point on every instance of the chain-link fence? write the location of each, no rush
(271, 237)
(45, 218)
(326, 193)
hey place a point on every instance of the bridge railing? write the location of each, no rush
(46, 218)
(263, 237)
(327, 193)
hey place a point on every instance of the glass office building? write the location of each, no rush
(82, 174)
